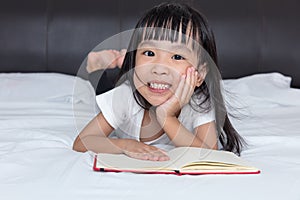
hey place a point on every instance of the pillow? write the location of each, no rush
(262, 90)
(44, 87)
(259, 83)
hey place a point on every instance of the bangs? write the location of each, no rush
(173, 29)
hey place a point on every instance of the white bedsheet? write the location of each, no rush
(37, 132)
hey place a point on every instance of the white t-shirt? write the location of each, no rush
(123, 113)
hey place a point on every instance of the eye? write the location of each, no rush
(148, 53)
(178, 57)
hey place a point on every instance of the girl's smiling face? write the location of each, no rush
(159, 67)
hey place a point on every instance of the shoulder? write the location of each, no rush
(123, 90)
(117, 105)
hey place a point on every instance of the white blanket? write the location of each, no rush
(41, 114)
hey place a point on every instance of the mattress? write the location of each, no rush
(42, 113)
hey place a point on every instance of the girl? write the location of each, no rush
(161, 97)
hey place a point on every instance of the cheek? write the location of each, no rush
(183, 70)
(141, 66)
(176, 77)
(177, 73)
(137, 79)
(141, 60)
(141, 73)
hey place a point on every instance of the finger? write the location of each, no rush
(154, 154)
(179, 89)
(195, 78)
(164, 158)
(188, 80)
(202, 73)
(148, 153)
(142, 156)
(159, 155)
(139, 155)
(198, 79)
(194, 81)
(163, 155)
(203, 66)
(189, 85)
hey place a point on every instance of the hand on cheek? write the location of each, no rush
(187, 86)
(201, 74)
(181, 97)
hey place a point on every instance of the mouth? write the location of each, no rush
(159, 86)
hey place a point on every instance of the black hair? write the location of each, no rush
(179, 17)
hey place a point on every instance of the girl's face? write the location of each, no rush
(159, 66)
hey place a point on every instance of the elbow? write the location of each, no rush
(79, 146)
(78, 149)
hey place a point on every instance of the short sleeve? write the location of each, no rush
(203, 118)
(192, 118)
(114, 105)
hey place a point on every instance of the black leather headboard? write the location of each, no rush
(253, 36)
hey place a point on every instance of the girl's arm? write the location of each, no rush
(205, 135)
(94, 137)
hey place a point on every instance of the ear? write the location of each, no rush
(201, 74)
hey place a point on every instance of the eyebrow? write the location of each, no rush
(174, 46)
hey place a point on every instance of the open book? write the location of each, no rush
(183, 160)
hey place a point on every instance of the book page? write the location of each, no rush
(183, 156)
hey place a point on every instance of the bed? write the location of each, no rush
(38, 127)
(45, 99)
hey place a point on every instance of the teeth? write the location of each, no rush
(159, 86)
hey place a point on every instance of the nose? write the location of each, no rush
(159, 69)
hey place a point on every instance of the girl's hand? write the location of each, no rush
(182, 96)
(139, 150)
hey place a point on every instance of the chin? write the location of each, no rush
(157, 102)
(155, 98)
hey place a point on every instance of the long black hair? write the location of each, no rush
(164, 22)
